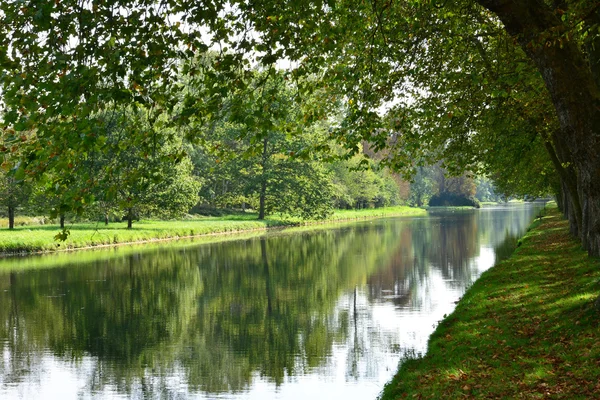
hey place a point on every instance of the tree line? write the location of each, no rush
(144, 167)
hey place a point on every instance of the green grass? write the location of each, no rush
(490, 203)
(528, 328)
(40, 238)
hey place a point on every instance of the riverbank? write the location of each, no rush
(40, 238)
(527, 328)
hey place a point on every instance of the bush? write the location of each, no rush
(452, 200)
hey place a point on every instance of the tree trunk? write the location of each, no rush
(105, 218)
(263, 181)
(62, 221)
(568, 179)
(129, 218)
(263, 195)
(559, 199)
(11, 217)
(574, 94)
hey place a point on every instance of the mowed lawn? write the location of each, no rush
(32, 238)
(528, 328)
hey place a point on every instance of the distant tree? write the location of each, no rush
(141, 171)
(50, 203)
(486, 190)
(51, 194)
(358, 186)
(14, 193)
(256, 152)
(15, 189)
(452, 190)
(421, 187)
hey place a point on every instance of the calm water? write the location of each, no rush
(319, 314)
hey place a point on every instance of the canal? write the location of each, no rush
(310, 313)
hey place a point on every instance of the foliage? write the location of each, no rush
(14, 194)
(421, 187)
(140, 170)
(452, 190)
(359, 186)
(451, 199)
(256, 152)
(486, 88)
(486, 191)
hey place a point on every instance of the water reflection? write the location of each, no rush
(280, 316)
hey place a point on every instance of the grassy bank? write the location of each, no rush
(40, 238)
(527, 328)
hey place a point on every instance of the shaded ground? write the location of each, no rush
(527, 328)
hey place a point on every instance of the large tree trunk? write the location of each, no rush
(574, 94)
(263, 182)
(11, 217)
(262, 200)
(568, 179)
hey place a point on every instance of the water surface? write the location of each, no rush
(326, 313)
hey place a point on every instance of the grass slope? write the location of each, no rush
(527, 328)
(40, 238)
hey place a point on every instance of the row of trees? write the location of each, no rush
(264, 157)
(262, 150)
(135, 169)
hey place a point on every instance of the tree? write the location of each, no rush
(357, 185)
(15, 190)
(421, 188)
(549, 37)
(46, 202)
(255, 150)
(142, 171)
(486, 191)
(452, 190)
(14, 193)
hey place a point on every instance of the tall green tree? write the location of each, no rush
(15, 188)
(141, 170)
(256, 151)
(422, 187)
(14, 194)
(359, 186)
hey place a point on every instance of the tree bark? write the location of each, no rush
(62, 221)
(560, 202)
(568, 180)
(129, 218)
(11, 217)
(574, 94)
(263, 181)
(262, 200)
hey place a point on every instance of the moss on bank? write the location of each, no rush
(527, 328)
